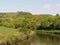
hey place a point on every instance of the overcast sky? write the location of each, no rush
(33, 6)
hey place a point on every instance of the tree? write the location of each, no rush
(57, 14)
(7, 22)
(19, 14)
(57, 23)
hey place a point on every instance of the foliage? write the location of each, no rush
(26, 21)
(15, 26)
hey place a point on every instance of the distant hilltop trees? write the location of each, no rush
(14, 14)
(57, 14)
(19, 14)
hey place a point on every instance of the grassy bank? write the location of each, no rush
(12, 36)
(49, 32)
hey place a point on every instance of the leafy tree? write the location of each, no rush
(19, 14)
(57, 14)
(6, 22)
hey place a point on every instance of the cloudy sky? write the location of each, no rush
(33, 6)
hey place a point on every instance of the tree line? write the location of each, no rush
(25, 21)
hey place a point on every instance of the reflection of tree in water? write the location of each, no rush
(46, 40)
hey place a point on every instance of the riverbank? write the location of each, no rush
(49, 32)
(9, 36)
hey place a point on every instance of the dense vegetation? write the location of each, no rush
(29, 21)
(20, 24)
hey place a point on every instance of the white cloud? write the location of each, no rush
(46, 6)
(57, 5)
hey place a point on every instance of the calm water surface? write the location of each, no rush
(41, 40)
(45, 40)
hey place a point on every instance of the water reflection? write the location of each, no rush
(45, 40)
(24, 42)
(41, 40)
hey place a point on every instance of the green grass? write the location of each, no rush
(49, 32)
(9, 34)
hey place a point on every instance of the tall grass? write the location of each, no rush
(10, 35)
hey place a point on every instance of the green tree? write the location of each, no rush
(19, 14)
(57, 14)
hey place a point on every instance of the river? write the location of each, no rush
(41, 40)
(45, 40)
